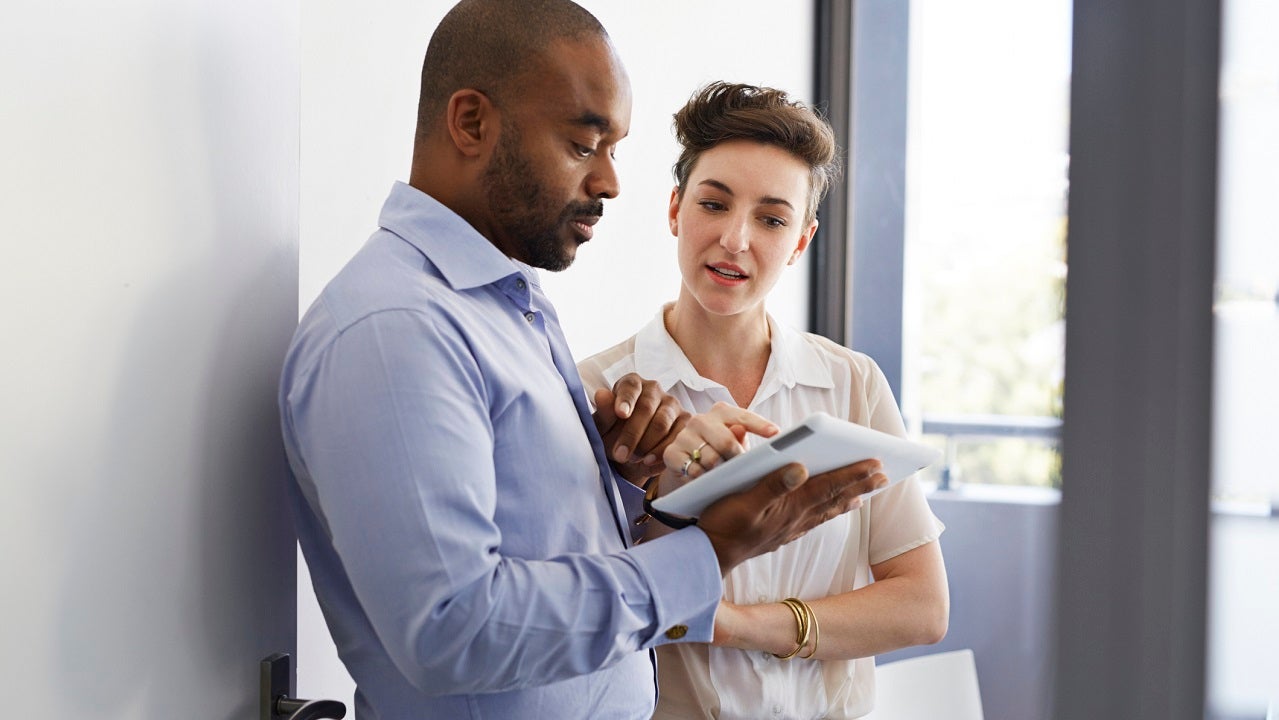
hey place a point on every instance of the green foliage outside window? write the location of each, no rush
(993, 316)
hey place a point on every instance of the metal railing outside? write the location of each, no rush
(957, 429)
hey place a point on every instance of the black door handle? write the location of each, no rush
(276, 701)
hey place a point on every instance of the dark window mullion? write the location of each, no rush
(859, 260)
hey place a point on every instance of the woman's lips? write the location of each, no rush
(726, 274)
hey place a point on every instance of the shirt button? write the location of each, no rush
(519, 284)
(530, 317)
(676, 632)
(777, 709)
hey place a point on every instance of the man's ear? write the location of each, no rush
(472, 122)
(804, 240)
(672, 213)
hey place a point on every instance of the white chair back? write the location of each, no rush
(928, 687)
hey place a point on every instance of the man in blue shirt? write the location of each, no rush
(468, 539)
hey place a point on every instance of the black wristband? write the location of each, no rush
(672, 521)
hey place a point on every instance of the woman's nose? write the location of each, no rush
(736, 238)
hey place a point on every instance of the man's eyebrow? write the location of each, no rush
(766, 200)
(593, 120)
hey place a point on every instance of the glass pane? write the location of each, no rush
(988, 111)
(985, 229)
(1243, 622)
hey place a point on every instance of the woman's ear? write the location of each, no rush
(472, 122)
(804, 240)
(672, 213)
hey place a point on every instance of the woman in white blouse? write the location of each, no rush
(753, 168)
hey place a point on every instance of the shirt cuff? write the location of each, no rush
(683, 573)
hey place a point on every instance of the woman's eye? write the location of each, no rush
(712, 205)
(774, 222)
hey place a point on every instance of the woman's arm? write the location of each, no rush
(908, 604)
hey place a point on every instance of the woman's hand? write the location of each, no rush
(713, 437)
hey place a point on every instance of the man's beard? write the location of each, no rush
(524, 212)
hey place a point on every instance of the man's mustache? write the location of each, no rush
(585, 209)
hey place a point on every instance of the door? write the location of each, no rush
(148, 279)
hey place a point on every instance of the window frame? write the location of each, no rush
(1131, 624)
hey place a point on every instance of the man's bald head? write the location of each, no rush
(486, 44)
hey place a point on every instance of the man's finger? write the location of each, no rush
(629, 438)
(665, 417)
(782, 481)
(627, 391)
(655, 457)
(836, 491)
(866, 475)
(605, 413)
(650, 407)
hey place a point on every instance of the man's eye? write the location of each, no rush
(583, 151)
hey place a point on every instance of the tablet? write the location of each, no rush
(820, 442)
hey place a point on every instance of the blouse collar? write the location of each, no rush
(792, 361)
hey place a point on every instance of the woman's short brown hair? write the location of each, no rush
(727, 111)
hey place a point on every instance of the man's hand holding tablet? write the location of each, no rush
(749, 503)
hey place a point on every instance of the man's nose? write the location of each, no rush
(603, 182)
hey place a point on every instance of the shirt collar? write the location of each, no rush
(659, 358)
(792, 361)
(796, 360)
(463, 256)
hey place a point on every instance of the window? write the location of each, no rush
(956, 206)
(953, 280)
(1243, 624)
(985, 233)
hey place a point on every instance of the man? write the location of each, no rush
(467, 538)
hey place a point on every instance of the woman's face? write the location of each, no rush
(740, 223)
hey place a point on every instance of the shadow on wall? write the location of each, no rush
(180, 571)
(185, 535)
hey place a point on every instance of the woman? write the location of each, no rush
(753, 168)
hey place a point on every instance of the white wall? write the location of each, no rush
(671, 48)
(360, 71)
(148, 279)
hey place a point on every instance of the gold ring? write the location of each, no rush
(696, 455)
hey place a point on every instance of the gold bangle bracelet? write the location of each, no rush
(805, 627)
(799, 624)
(812, 622)
(802, 626)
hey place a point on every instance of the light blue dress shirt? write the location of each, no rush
(467, 540)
